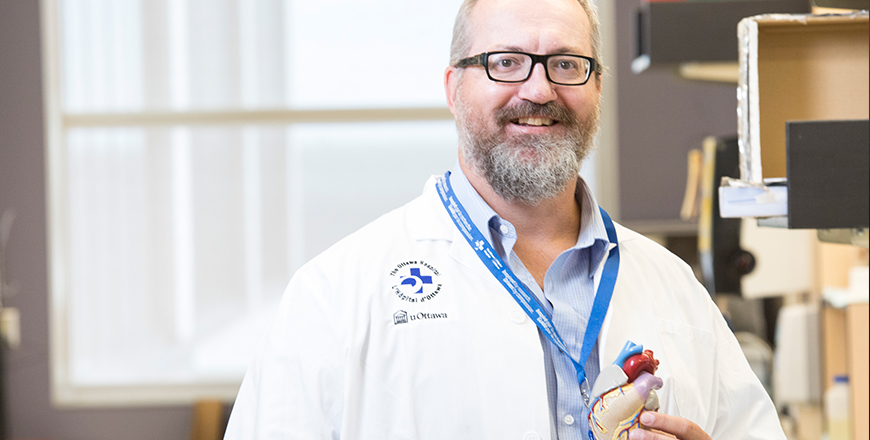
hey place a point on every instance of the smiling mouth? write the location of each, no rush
(534, 122)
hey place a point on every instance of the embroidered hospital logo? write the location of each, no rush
(400, 317)
(415, 281)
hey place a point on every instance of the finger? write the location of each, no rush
(649, 434)
(681, 428)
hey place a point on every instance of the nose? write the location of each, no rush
(538, 88)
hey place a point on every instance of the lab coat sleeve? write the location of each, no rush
(293, 388)
(745, 409)
(740, 407)
(707, 377)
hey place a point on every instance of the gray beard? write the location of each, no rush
(530, 168)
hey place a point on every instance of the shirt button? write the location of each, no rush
(569, 419)
(517, 316)
(504, 229)
(532, 436)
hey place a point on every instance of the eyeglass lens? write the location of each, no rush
(567, 69)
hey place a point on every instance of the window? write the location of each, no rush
(200, 151)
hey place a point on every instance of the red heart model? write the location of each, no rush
(638, 363)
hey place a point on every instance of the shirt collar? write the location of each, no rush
(592, 229)
(591, 223)
(480, 212)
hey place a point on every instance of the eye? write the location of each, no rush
(567, 65)
(506, 62)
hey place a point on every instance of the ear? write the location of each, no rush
(451, 84)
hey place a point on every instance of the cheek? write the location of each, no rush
(586, 107)
(584, 100)
(492, 99)
(485, 95)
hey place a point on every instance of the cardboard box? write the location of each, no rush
(858, 352)
(845, 346)
(797, 68)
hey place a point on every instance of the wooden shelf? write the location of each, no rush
(724, 72)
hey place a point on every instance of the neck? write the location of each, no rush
(547, 220)
(544, 230)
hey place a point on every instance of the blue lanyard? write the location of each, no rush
(520, 292)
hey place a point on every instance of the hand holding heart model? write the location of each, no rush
(622, 391)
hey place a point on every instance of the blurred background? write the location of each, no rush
(166, 166)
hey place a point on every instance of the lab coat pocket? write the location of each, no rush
(690, 354)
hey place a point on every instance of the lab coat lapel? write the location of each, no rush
(617, 325)
(428, 220)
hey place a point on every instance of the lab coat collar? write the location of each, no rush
(428, 220)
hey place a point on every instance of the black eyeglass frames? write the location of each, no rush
(516, 67)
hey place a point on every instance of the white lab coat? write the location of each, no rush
(340, 363)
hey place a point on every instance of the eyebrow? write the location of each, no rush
(560, 50)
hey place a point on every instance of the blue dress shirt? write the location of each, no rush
(568, 296)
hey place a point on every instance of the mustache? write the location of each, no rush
(525, 109)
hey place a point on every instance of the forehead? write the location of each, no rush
(537, 26)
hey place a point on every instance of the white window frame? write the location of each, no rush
(58, 122)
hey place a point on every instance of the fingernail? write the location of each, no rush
(647, 418)
(637, 434)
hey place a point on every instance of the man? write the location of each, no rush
(404, 330)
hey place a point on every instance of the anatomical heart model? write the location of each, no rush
(622, 391)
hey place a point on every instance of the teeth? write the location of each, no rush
(535, 121)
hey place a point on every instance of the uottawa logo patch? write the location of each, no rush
(415, 281)
(402, 317)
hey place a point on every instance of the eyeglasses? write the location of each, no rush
(516, 67)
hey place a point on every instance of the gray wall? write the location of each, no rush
(28, 410)
(661, 118)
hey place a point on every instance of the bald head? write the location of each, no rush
(463, 28)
